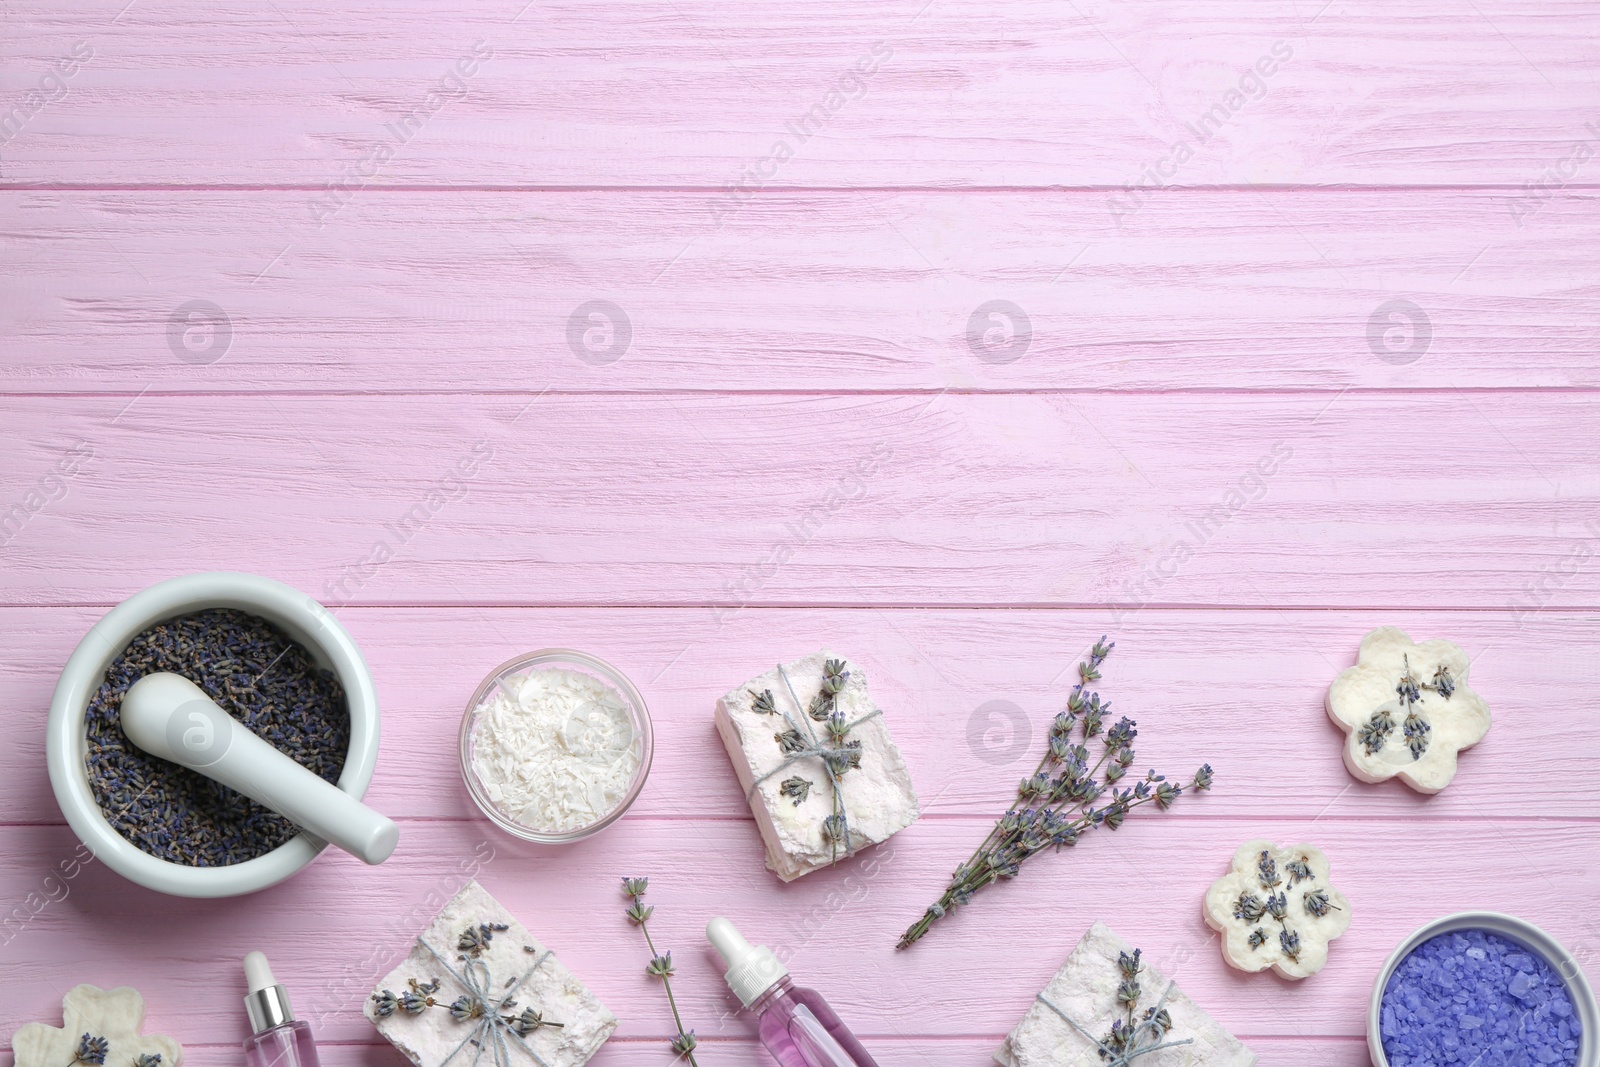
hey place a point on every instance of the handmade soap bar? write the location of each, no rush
(476, 978)
(1070, 1022)
(98, 1027)
(1407, 710)
(814, 757)
(1276, 908)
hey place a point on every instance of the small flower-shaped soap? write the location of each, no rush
(1407, 710)
(1276, 908)
(98, 1027)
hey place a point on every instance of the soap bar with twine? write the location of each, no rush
(477, 988)
(1107, 1007)
(815, 760)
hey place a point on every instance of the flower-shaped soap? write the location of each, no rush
(99, 1026)
(1276, 908)
(1407, 710)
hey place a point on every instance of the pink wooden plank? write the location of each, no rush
(968, 694)
(912, 1052)
(964, 1051)
(1369, 500)
(1018, 92)
(337, 926)
(830, 291)
(1017, 525)
(897, 1052)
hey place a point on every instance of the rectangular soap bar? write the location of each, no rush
(1085, 988)
(428, 1037)
(878, 798)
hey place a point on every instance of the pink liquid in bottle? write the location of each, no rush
(796, 1025)
(289, 1045)
(277, 1038)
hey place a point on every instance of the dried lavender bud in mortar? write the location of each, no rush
(258, 675)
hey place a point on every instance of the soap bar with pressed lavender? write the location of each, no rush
(477, 978)
(1407, 710)
(1085, 990)
(97, 1026)
(814, 757)
(1277, 907)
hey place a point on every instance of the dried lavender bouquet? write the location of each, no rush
(1057, 803)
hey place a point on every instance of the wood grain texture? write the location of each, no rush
(405, 291)
(1223, 444)
(1367, 500)
(1016, 92)
(968, 695)
(336, 928)
(897, 1052)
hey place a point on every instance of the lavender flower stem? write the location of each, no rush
(1069, 807)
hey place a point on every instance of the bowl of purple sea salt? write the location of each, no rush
(1482, 989)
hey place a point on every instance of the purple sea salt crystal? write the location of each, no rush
(1474, 997)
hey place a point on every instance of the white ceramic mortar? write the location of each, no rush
(299, 616)
(1524, 933)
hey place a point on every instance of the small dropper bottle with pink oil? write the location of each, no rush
(277, 1038)
(795, 1024)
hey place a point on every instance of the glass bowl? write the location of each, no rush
(1535, 940)
(574, 735)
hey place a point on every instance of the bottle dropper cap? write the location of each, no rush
(751, 970)
(267, 1003)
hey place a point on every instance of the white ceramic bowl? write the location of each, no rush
(1530, 937)
(560, 659)
(66, 748)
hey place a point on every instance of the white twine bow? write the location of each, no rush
(1148, 1029)
(496, 1028)
(813, 750)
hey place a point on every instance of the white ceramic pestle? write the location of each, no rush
(169, 716)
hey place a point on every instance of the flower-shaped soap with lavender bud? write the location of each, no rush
(815, 760)
(1277, 908)
(1406, 710)
(99, 1026)
(478, 988)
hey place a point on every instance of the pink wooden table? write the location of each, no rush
(271, 269)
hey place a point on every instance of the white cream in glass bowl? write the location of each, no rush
(555, 745)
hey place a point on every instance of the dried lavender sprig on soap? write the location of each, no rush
(418, 998)
(91, 1050)
(660, 963)
(1057, 803)
(1135, 1035)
